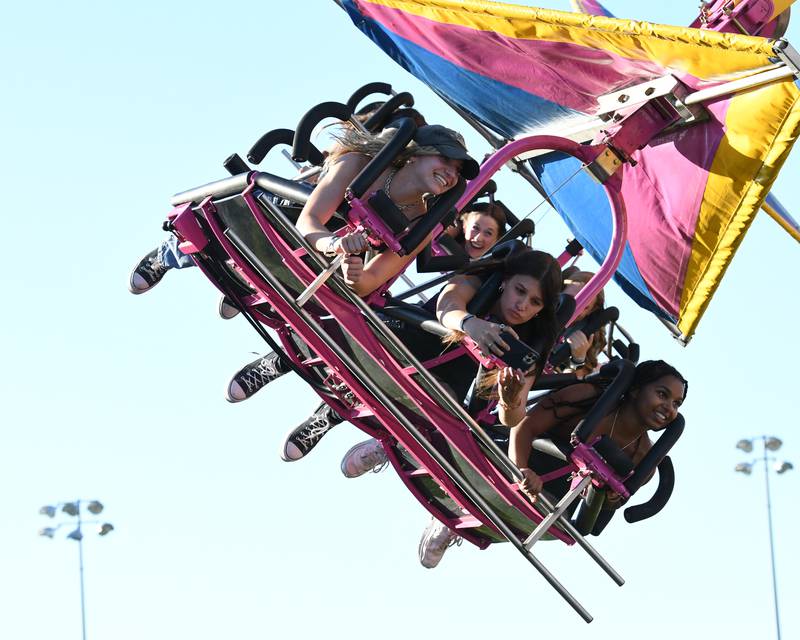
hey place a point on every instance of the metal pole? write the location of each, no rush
(771, 543)
(83, 607)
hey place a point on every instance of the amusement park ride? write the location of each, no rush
(671, 136)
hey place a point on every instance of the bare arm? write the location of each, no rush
(382, 268)
(325, 199)
(453, 300)
(543, 418)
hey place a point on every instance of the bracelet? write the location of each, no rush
(577, 363)
(461, 324)
(329, 250)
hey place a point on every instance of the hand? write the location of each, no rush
(579, 345)
(350, 243)
(509, 385)
(487, 336)
(531, 484)
(352, 269)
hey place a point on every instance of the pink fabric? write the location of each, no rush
(568, 74)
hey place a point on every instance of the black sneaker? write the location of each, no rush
(255, 376)
(147, 274)
(304, 438)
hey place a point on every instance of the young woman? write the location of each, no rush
(479, 228)
(525, 308)
(651, 403)
(428, 167)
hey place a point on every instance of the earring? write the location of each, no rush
(501, 287)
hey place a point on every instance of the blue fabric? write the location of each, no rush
(171, 256)
(585, 208)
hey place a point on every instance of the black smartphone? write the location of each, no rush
(520, 355)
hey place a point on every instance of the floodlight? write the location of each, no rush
(744, 467)
(783, 467)
(48, 511)
(745, 445)
(70, 508)
(105, 529)
(772, 443)
(76, 535)
(47, 532)
(95, 507)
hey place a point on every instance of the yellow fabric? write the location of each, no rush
(779, 7)
(677, 49)
(761, 127)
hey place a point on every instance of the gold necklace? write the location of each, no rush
(614, 424)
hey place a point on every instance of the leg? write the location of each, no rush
(152, 268)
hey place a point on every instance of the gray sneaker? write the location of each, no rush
(365, 456)
(436, 539)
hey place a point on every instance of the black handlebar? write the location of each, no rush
(275, 137)
(622, 373)
(666, 482)
(302, 137)
(362, 92)
(235, 165)
(381, 117)
(588, 325)
(369, 174)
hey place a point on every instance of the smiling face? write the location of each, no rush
(657, 403)
(521, 299)
(436, 174)
(481, 232)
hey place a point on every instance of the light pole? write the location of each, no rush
(73, 509)
(770, 443)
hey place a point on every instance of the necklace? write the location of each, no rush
(387, 186)
(614, 424)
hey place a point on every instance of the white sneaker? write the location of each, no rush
(436, 539)
(365, 456)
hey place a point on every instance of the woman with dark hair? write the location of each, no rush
(651, 403)
(524, 308)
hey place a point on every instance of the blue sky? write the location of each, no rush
(109, 109)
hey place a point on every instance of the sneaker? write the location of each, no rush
(304, 438)
(365, 456)
(436, 539)
(255, 376)
(147, 274)
(226, 308)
